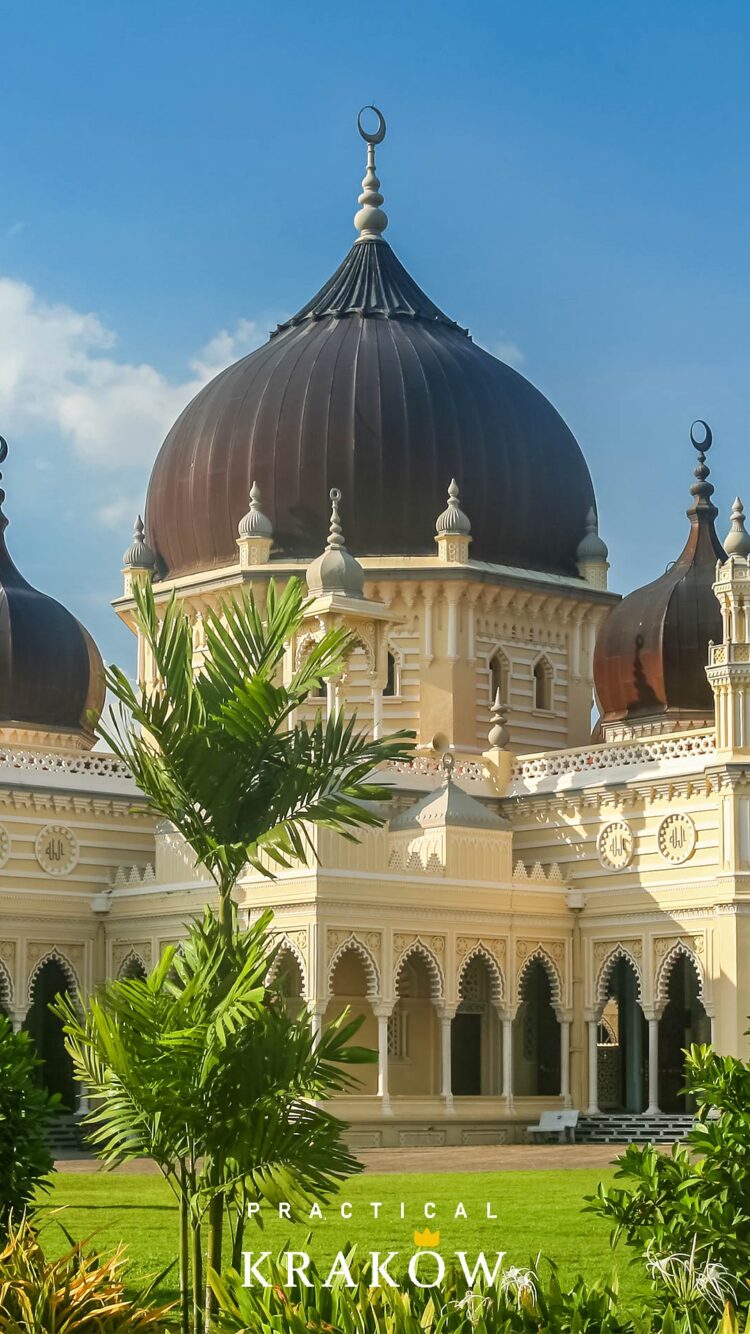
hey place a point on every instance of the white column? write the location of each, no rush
(428, 623)
(317, 1012)
(653, 1067)
(452, 599)
(446, 1092)
(17, 1019)
(377, 711)
(565, 1061)
(508, 1060)
(593, 1107)
(383, 1016)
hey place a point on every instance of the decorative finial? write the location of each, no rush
(335, 532)
(255, 523)
(370, 220)
(591, 545)
(447, 764)
(498, 735)
(737, 540)
(336, 570)
(702, 489)
(139, 555)
(453, 519)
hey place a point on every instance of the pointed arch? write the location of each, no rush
(394, 667)
(133, 965)
(57, 956)
(551, 969)
(372, 972)
(543, 677)
(6, 986)
(618, 951)
(497, 980)
(287, 947)
(499, 669)
(435, 972)
(679, 949)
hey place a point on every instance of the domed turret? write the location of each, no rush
(335, 571)
(371, 386)
(651, 653)
(51, 673)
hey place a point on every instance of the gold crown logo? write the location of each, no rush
(427, 1238)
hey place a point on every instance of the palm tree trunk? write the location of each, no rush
(197, 1278)
(184, 1258)
(216, 1207)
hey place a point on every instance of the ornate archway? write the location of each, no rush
(683, 1021)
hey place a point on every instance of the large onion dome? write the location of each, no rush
(373, 389)
(51, 673)
(651, 653)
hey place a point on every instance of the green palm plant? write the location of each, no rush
(222, 754)
(200, 1067)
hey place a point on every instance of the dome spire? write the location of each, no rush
(336, 570)
(139, 555)
(453, 529)
(737, 540)
(702, 490)
(370, 220)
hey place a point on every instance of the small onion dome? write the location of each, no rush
(591, 545)
(51, 673)
(651, 652)
(453, 520)
(737, 540)
(139, 555)
(336, 571)
(255, 523)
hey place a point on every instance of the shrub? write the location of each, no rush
(25, 1114)
(79, 1292)
(520, 1302)
(693, 1206)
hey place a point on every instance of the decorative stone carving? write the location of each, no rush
(123, 949)
(56, 849)
(615, 845)
(603, 948)
(8, 955)
(4, 845)
(676, 838)
(70, 956)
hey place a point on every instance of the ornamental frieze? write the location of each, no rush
(555, 949)
(663, 944)
(372, 940)
(603, 948)
(71, 954)
(496, 947)
(121, 950)
(8, 955)
(402, 943)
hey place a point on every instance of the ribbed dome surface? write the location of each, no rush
(651, 653)
(370, 388)
(51, 673)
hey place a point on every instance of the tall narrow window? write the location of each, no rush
(499, 677)
(542, 685)
(392, 684)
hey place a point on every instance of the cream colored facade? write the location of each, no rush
(512, 934)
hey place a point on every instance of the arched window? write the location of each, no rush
(542, 685)
(499, 677)
(393, 679)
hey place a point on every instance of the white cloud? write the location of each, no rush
(58, 371)
(506, 350)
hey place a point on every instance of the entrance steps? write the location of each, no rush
(632, 1128)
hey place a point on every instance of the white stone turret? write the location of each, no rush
(592, 553)
(453, 529)
(255, 533)
(729, 662)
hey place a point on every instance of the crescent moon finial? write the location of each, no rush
(370, 220)
(372, 136)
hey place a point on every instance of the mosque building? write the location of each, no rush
(549, 916)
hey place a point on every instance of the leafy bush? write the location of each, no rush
(25, 1114)
(522, 1301)
(693, 1205)
(78, 1292)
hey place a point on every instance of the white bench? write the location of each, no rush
(562, 1124)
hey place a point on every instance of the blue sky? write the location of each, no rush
(571, 181)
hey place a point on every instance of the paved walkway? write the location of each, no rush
(490, 1158)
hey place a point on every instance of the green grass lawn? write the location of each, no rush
(536, 1212)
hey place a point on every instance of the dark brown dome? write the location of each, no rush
(51, 674)
(651, 653)
(370, 388)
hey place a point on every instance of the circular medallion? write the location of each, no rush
(4, 845)
(615, 845)
(56, 849)
(676, 838)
